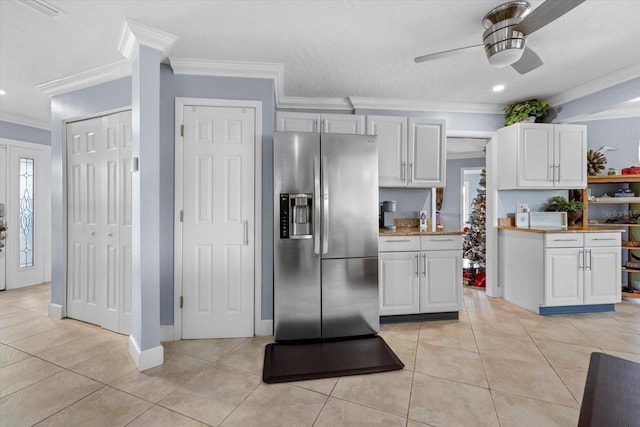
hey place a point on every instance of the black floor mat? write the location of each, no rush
(284, 362)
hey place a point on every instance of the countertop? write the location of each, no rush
(415, 231)
(569, 230)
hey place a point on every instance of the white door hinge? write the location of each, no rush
(181, 130)
(181, 301)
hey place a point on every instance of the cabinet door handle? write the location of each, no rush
(565, 240)
(612, 238)
(558, 166)
(403, 170)
(246, 233)
(441, 240)
(417, 266)
(397, 241)
(580, 259)
(589, 265)
(424, 265)
(553, 173)
(410, 177)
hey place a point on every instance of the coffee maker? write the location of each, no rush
(387, 214)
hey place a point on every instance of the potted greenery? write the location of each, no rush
(573, 208)
(521, 111)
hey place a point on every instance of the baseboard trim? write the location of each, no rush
(421, 317)
(167, 333)
(145, 359)
(264, 328)
(55, 311)
(567, 309)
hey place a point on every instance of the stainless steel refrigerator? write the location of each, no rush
(325, 235)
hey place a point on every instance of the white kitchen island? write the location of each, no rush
(560, 271)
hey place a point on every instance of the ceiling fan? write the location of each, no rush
(506, 29)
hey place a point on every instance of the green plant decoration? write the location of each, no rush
(519, 111)
(560, 204)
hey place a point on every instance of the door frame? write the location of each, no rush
(42, 220)
(260, 327)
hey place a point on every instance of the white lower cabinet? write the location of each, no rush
(420, 281)
(587, 274)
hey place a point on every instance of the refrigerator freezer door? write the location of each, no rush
(296, 278)
(350, 187)
(350, 297)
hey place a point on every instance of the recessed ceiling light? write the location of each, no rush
(498, 88)
(2, 92)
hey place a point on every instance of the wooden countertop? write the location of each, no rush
(414, 231)
(569, 230)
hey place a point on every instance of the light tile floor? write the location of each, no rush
(498, 365)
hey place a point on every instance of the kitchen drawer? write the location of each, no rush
(398, 243)
(563, 240)
(602, 239)
(441, 243)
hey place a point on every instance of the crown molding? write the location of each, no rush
(412, 105)
(314, 103)
(620, 76)
(135, 34)
(25, 121)
(95, 76)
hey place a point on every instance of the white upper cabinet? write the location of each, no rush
(324, 123)
(540, 155)
(427, 153)
(392, 148)
(411, 152)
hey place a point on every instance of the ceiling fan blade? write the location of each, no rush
(445, 53)
(547, 12)
(529, 61)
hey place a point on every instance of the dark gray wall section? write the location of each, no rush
(173, 86)
(79, 104)
(18, 132)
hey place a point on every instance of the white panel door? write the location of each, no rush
(399, 283)
(352, 124)
(116, 189)
(86, 270)
(218, 222)
(99, 221)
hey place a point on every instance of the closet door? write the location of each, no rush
(85, 221)
(99, 221)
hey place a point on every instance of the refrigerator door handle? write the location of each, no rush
(325, 206)
(316, 205)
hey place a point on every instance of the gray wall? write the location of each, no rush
(173, 86)
(623, 134)
(18, 132)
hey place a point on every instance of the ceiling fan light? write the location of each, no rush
(506, 52)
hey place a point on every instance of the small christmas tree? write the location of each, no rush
(474, 241)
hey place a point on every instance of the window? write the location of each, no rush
(26, 210)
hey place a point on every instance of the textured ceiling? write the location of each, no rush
(330, 49)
